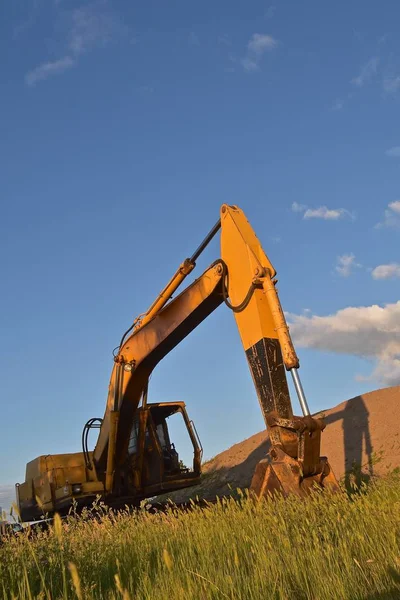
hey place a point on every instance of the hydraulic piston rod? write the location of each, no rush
(185, 268)
(300, 392)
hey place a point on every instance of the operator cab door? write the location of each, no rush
(144, 451)
(153, 470)
(152, 459)
(170, 456)
(160, 459)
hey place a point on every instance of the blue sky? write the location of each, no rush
(124, 128)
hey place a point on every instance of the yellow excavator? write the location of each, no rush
(134, 457)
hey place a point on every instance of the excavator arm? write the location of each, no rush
(243, 278)
(140, 353)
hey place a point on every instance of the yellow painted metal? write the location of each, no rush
(114, 418)
(247, 262)
(146, 346)
(281, 327)
(49, 479)
(92, 487)
(57, 465)
(185, 268)
(243, 254)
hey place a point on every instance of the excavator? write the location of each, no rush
(134, 458)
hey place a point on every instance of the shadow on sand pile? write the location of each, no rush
(361, 440)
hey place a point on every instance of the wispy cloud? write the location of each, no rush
(386, 271)
(30, 15)
(322, 212)
(48, 69)
(391, 217)
(90, 26)
(345, 264)
(338, 105)
(359, 36)
(371, 332)
(296, 207)
(224, 39)
(393, 152)
(329, 214)
(391, 84)
(146, 89)
(377, 70)
(258, 44)
(270, 12)
(23, 26)
(367, 72)
(380, 70)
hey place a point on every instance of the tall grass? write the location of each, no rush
(328, 547)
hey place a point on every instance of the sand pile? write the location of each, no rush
(364, 430)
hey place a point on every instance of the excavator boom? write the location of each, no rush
(243, 278)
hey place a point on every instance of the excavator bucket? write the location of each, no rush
(283, 475)
(294, 468)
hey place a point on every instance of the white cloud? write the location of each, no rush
(371, 332)
(393, 152)
(90, 26)
(345, 264)
(249, 64)
(386, 271)
(367, 72)
(391, 216)
(224, 39)
(338, 105)
(258, 44)
(391, 84)
(48, 69)
(322, 212)
(395, 206)
(269, 13)
(296, 207)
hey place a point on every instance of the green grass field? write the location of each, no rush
(330, 547)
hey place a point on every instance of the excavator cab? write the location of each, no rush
(152, 462)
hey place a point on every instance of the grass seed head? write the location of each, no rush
(75, 580)
(58, 526)
(167, 559)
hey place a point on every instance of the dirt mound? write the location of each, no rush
(362, 435)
